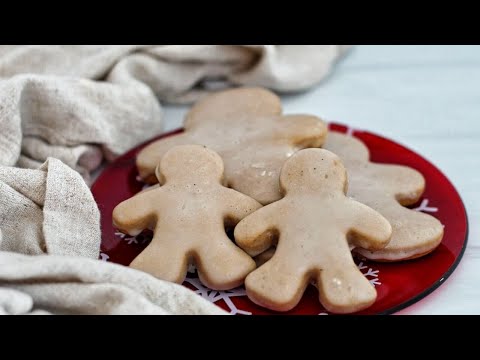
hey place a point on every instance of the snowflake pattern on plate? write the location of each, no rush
(425, 208)
(132, 239)
(370, 274)
(214, 296)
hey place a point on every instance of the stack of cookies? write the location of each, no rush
(302, 204)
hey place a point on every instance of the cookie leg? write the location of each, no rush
(223, 266)
(345, 289)
(164, 260)
(276, 285)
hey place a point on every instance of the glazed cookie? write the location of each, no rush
(315, 227)
(247, 129)
(386, 188)
(188, 215)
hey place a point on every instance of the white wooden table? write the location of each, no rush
(427, 98)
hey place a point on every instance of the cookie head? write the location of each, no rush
(190, 162)
(348, 148)
(234, 103)
(313, 169)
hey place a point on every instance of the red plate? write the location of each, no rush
(398, 284)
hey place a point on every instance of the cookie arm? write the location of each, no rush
(407, 183)
(258, 231)
(370, 230)
(134, 215)
(303, 130)
(239, 206)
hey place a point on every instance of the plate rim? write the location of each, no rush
(415, 299)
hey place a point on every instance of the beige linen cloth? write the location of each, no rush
(66, 108)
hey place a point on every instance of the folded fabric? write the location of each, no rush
(72, 119)
(49, 284)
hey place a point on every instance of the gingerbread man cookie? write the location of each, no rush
(315, 226)
(245, 126)
(188, 215)
(386, 188)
